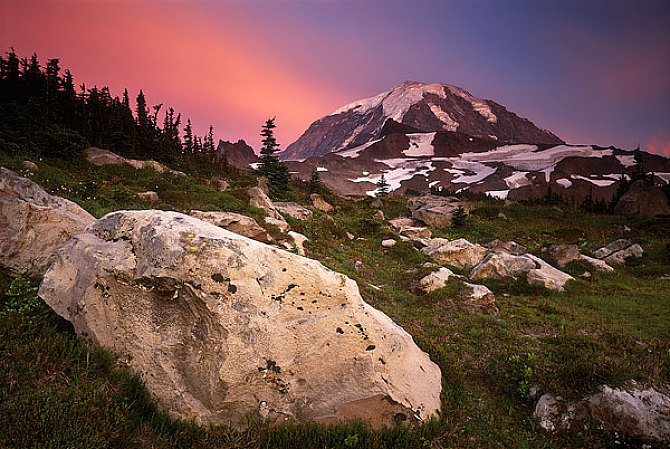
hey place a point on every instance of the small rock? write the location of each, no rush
(619, 257)
(350, 236)
(219, 184)
(500, 265)
(612, 247)
(553, 413)
(377, 204)
(502, 216)
(586, 275)
(480, 295)
(29, 165)
(294, 210)
(299, 241)
(149, 195)
(510, 247)
(459, 253)
(319, 203)
(414, 232)
(281, 224)
(402, 222)
(378, 215)
(259, 199)
(388, 243)
(436, 279)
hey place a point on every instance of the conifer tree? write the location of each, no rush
(188, 138)
(382, 186)
(142, 111)
(314, 185)
(460, 217)
(269, 164)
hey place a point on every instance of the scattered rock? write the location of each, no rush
(299, 241)
(433, 281)
(319, 203)
(434, 211)
(350, 236)
(100, 157)
(480, 295)
(553, 413)
(500, 265)
(619, 257)
(29, 165)
(232, 328)
(564, 254)
(640, 413)
(612, 247)
(237, 223)
(643, 198)
(259, 199)
(402, 222)
(458, 253)
(413, 232)
(586, 275)
(34, 224)
(510, 247)
(377, 203)
(502, 216)
(219, 184)
(546, 275)
(281, 224)
(378, 215)
(149, 195)
(294, 210)
(388, 243)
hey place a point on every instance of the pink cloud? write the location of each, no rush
(660, 144)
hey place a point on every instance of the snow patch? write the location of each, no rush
(564, 182)
(626, 161)
(364, 105)
(356, 151)
(321, 169)
(664, 176)
(598, 182)
(479, 105)
(420, 144)
(498, 194)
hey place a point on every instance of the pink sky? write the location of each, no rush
(595, 72)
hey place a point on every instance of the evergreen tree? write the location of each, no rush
(142, 112)
(209, 140)
(314, 185)
(269, 165)
(460, 217)
(126, 100)
(188, 138)
(638, 170)
(382, 186)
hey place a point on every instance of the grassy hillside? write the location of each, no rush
(609, 328)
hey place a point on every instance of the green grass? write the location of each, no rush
(611, 328)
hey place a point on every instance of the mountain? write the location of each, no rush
(423, 107)
(238, 154)
(455, 162)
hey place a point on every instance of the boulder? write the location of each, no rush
(100, 157)
(149, 195)
(434, 211)
(378, 215)
(377, 203)
(480, 295)
(612, 247)
(218, 184)
(388, 243)
(510, 247)
(546, 275)
(298, 241)
(500, 265)
(564, 254)
(237, 223)
(319, 203)
(415, 232)
(232, 328)
(34, 224)
(29, 165)
(553, 413)
(458, 253)
(643, 198)
(402, 222)
(619, 257)
(433, 281)
(281, 224)
(294, 210)
(259, 199)
(639, 413)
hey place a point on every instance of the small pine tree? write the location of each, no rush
(269, 165)
(382, 186)
(638, 170)
(314, 185)
(460, 217)
(188, 138)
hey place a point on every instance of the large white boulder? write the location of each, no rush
(234, 222)
(221, 327)
(34, 224)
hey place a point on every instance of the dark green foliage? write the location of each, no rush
(270, 166)
(382, 186)
(460, 217)
(314, 184)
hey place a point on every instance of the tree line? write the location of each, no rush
(43, 113)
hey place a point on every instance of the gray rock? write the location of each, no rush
(294, 210)
(619, 257)
(378, 215)
(458, 253)
(237, 223)
(34, 224)
(510, 247)
(319, 203)
(29, 165)
(298, 241)
(149, 195)
(502, 264)
(546, 275)
(612, 247)
(564, 254)
(402, 222)
(554, 413)
(259, 199)
(434, 211)
(100, 157)
(388, 243)
(414, 232)
(281, 224)
(436, 279)
(232, 328)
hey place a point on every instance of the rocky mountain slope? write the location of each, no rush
(426, 108)
(455, 162)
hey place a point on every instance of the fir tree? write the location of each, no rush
(382, 186)
(141, 110)
(188, 138)
(314, 185)
(638, 170)
(460, 217)
(269, 165)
